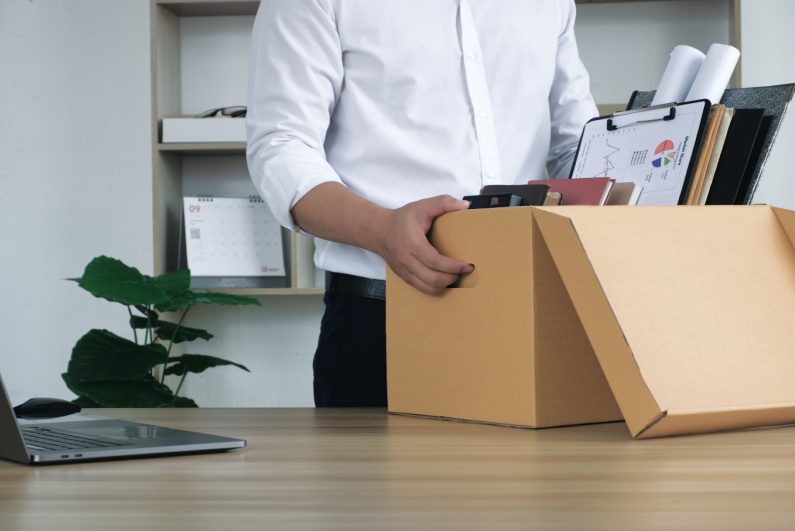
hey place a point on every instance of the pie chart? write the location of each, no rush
(665, 154)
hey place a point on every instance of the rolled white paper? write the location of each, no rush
(679, 75)
(714, 75)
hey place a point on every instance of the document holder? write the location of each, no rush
(773, 100)
(654, 147)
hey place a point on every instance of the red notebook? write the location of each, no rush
(592, 191)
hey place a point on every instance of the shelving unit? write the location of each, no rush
(694, 25)
(168, 159)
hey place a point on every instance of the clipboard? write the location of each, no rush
(654, 147)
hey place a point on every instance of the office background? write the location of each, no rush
(76, 167)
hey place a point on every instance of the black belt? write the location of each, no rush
(353, 285)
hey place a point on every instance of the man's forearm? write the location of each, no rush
(333, 212)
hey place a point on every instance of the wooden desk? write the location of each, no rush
(365, 469)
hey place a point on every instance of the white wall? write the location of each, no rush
(75, 170)
(76, 174)
(767, 57)
(625, 46)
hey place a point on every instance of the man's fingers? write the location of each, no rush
(431, 272)
(409, 253)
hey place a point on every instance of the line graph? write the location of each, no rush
(609, 166)
(605, 154)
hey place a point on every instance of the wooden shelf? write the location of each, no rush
(258, 292)
(170, 159)
(210, 8)
(204, 148)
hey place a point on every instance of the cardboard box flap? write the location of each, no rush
(634, 398)
(787, 220)
(689, 309)
(719, 419)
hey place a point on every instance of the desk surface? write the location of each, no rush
(365, 469)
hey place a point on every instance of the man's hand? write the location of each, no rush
(333, 212)
(405, 247)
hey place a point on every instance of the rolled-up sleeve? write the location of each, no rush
(295, 78)
(570, 101)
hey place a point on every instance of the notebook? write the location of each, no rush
(83, 437)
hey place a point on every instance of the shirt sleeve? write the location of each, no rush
(295, 77)
(570, 101)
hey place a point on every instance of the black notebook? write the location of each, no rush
(738, 159)
(531, 194)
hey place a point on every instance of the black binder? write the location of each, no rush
(738, 159)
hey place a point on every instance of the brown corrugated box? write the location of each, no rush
(506, 346)
(689, 310)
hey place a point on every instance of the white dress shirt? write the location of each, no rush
(406, 99)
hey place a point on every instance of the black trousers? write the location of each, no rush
(350, 360)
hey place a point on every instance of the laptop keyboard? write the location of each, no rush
(41, 438)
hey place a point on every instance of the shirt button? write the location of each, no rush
(483, 114)
(472, 56)
(492, 174)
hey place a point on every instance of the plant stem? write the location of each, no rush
(170, 344)
(176, 393)
(135, 332)
(176, 329)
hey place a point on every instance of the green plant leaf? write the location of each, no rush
(165, 331)
(139, 323)
(146, 392)
(101, 355)
(106, 370)
(197, 363)
(184, 401)
(192, 297)
(174, 282)
(147, 312)
(111, 279)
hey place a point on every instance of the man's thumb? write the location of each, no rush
(446, 203)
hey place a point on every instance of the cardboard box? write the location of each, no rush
(689, 311)
(215, 129)
(504, 347)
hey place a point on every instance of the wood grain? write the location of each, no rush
(366, 469)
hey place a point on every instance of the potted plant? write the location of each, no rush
(107, 370)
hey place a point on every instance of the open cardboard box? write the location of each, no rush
(689, 311)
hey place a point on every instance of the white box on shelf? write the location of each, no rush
(189, 129)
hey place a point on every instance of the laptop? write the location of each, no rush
(83, 437)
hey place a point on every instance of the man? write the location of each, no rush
(369, 118)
